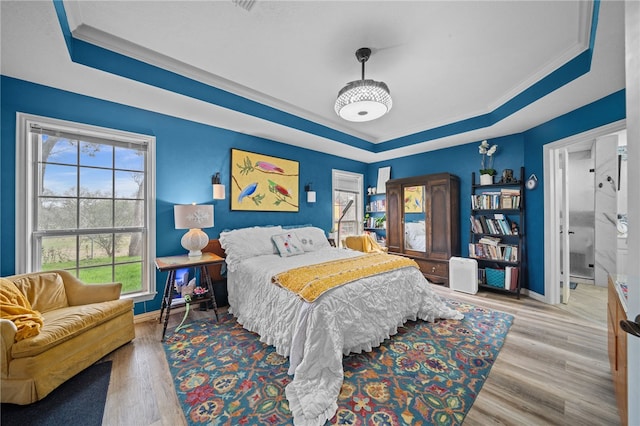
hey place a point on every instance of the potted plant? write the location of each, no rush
(380, 221)
(487, 172)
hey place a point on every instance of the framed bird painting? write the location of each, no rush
(263, 183)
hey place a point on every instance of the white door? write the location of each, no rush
(606, 208)
(562, 192)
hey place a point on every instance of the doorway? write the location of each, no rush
(587, 251)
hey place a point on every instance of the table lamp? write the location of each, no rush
(193, 217)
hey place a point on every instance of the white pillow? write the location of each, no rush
(312, 238)
(240, 244)
(287, 244)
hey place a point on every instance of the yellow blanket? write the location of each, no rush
(15, 307)
(309, 282)
(364, 243)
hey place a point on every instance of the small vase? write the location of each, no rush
(486, 179)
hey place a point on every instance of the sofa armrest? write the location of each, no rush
(8, 332)
(79, 293)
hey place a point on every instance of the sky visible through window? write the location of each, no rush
(96, 162)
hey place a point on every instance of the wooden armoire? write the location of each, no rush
(423, 221)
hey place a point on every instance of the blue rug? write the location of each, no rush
(78, 401)
(429, 373)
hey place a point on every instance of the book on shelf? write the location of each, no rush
(511, 278)
(481, 276)
(501, 252)
(504, 199)
(507, 277)
(499, 224)
(377, 205)
(510, 198)
(493, 241)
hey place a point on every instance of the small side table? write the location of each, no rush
(172, 264)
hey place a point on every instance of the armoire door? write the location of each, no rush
(438, 220)
(395, 223)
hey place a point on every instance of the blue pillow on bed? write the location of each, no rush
(287, 244)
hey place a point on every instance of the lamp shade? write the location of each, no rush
(363, 100)
(193, 216)
(311, 196)
(218, 187)
(218, 191)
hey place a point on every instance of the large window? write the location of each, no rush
(87, 203)
(347, 186)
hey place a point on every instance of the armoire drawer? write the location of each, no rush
(428, 267)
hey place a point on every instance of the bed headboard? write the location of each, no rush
(214, 270)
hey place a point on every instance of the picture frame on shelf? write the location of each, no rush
(384, 174)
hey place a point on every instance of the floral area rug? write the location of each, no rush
(427, 374)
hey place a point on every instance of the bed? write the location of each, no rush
(353, 317)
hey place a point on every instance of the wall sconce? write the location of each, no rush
(311, 195)
(193, 217)
(218, 188)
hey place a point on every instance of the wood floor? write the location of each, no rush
(552, 370)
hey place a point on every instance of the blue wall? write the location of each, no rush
(461, 161)
(523, 149)
(187, 154)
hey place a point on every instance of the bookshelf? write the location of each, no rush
(497, 234)
(375, 221)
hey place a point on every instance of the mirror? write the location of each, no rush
(414, 220)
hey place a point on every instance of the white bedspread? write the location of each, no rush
(351, 318)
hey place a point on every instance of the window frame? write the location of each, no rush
(26, 193)
(358, 189)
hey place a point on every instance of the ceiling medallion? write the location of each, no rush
(363, 100)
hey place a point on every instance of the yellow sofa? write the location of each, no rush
(81, 324)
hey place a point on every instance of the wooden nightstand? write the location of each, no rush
(172, 264)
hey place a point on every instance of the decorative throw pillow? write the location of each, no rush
(244, 243)
(287, 244)
(312, 238)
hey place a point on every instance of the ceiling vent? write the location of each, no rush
(245, 4)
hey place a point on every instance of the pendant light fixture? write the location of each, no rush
(363, 100)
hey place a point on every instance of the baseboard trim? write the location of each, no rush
(153, 315)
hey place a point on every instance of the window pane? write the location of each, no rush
(58, 150)
(58, 252)
(96, 249)
(95, 182)
(129, 213)
(348, 228)
(129, 247)
(96, 213)
(57, 213)
(58, 180)
(130, 275)
(96, 154)
(129, 184)
(97, 275)
(129, 159)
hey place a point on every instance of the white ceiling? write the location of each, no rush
(444, 61)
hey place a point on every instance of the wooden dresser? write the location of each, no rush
(617, 342)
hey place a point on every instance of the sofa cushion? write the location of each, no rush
(65, 323)
(45, 291)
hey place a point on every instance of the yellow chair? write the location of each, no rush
(364, 243)
(80, 324)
